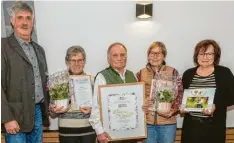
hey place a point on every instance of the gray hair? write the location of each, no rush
(112, 45)
(74, 50)
(21, 6)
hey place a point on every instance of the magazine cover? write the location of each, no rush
(198, 99)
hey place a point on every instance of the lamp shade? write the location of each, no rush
(144, 10)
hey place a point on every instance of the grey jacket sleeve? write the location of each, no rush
(7, 114)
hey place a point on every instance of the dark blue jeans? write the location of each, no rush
(161, 133)
(32, 137)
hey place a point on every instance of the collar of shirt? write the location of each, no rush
(122, 76)
(21, 41)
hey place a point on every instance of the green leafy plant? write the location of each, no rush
(165, 96)
(59, 92)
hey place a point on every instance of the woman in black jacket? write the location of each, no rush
(210, 125)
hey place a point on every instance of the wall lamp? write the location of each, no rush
(144, 10)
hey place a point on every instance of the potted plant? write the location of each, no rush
(60, 95)
(165, 98)
(58, 85)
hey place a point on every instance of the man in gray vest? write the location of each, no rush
(23, 83)
(114, 74)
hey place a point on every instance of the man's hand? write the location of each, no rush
(58, 110)
(12, 127)
(102, 138)
(85, 110)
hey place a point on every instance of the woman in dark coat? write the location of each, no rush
(210, 125)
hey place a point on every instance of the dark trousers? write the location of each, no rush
(78, 139)
(201, 130)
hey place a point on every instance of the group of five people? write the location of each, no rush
(25, 100)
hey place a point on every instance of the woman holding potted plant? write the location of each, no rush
(164, 90)
(74, 126)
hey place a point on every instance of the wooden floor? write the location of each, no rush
(52, 136)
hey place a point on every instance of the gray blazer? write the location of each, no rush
(17, 84)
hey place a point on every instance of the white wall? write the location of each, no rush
(95, 25)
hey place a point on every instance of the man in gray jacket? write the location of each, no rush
(24, 96)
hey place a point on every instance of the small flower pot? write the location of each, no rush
(164, 107)
(62, 102)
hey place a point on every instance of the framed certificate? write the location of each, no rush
(81, 88)
(121, 110)
(198, 99)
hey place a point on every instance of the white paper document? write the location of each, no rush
(122, 110)
(82, 91)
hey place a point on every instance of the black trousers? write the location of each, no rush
(78, 139)
(201, 130)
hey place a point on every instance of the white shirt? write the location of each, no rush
(94, 119)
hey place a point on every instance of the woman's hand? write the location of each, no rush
(209, 112)
(145, 108)
(147, 104)
(182, 111)
(58, 110)
(166, 115)
(85, 110)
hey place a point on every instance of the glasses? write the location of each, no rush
(153, 54)
(77, 61)
(208, 55)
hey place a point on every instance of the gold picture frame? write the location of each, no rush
(117, 95)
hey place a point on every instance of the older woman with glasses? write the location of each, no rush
(210, 125)
(74, 126)
(161, 125)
